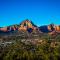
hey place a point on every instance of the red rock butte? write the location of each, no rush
(26, 24)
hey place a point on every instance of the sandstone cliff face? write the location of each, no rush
(25, 25)
(29, 26)
(54, 28)
(12, 28)
(57, 28)
(51, 29)
(3, 29)
(9, 28)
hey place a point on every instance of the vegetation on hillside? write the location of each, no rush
(30, 47)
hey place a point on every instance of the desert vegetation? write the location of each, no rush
(30, 47)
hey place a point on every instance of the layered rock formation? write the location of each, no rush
(29, 26)
(25, 25)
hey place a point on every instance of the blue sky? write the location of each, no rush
(41, 12)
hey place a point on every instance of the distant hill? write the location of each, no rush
(29, 26)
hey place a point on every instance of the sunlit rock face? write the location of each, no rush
(57, 28)
(26, 25)
(51, 27)
(3, 29)
(9, 28)
(30, 27)
(12, 28)
(54, 29)
(47, 28)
